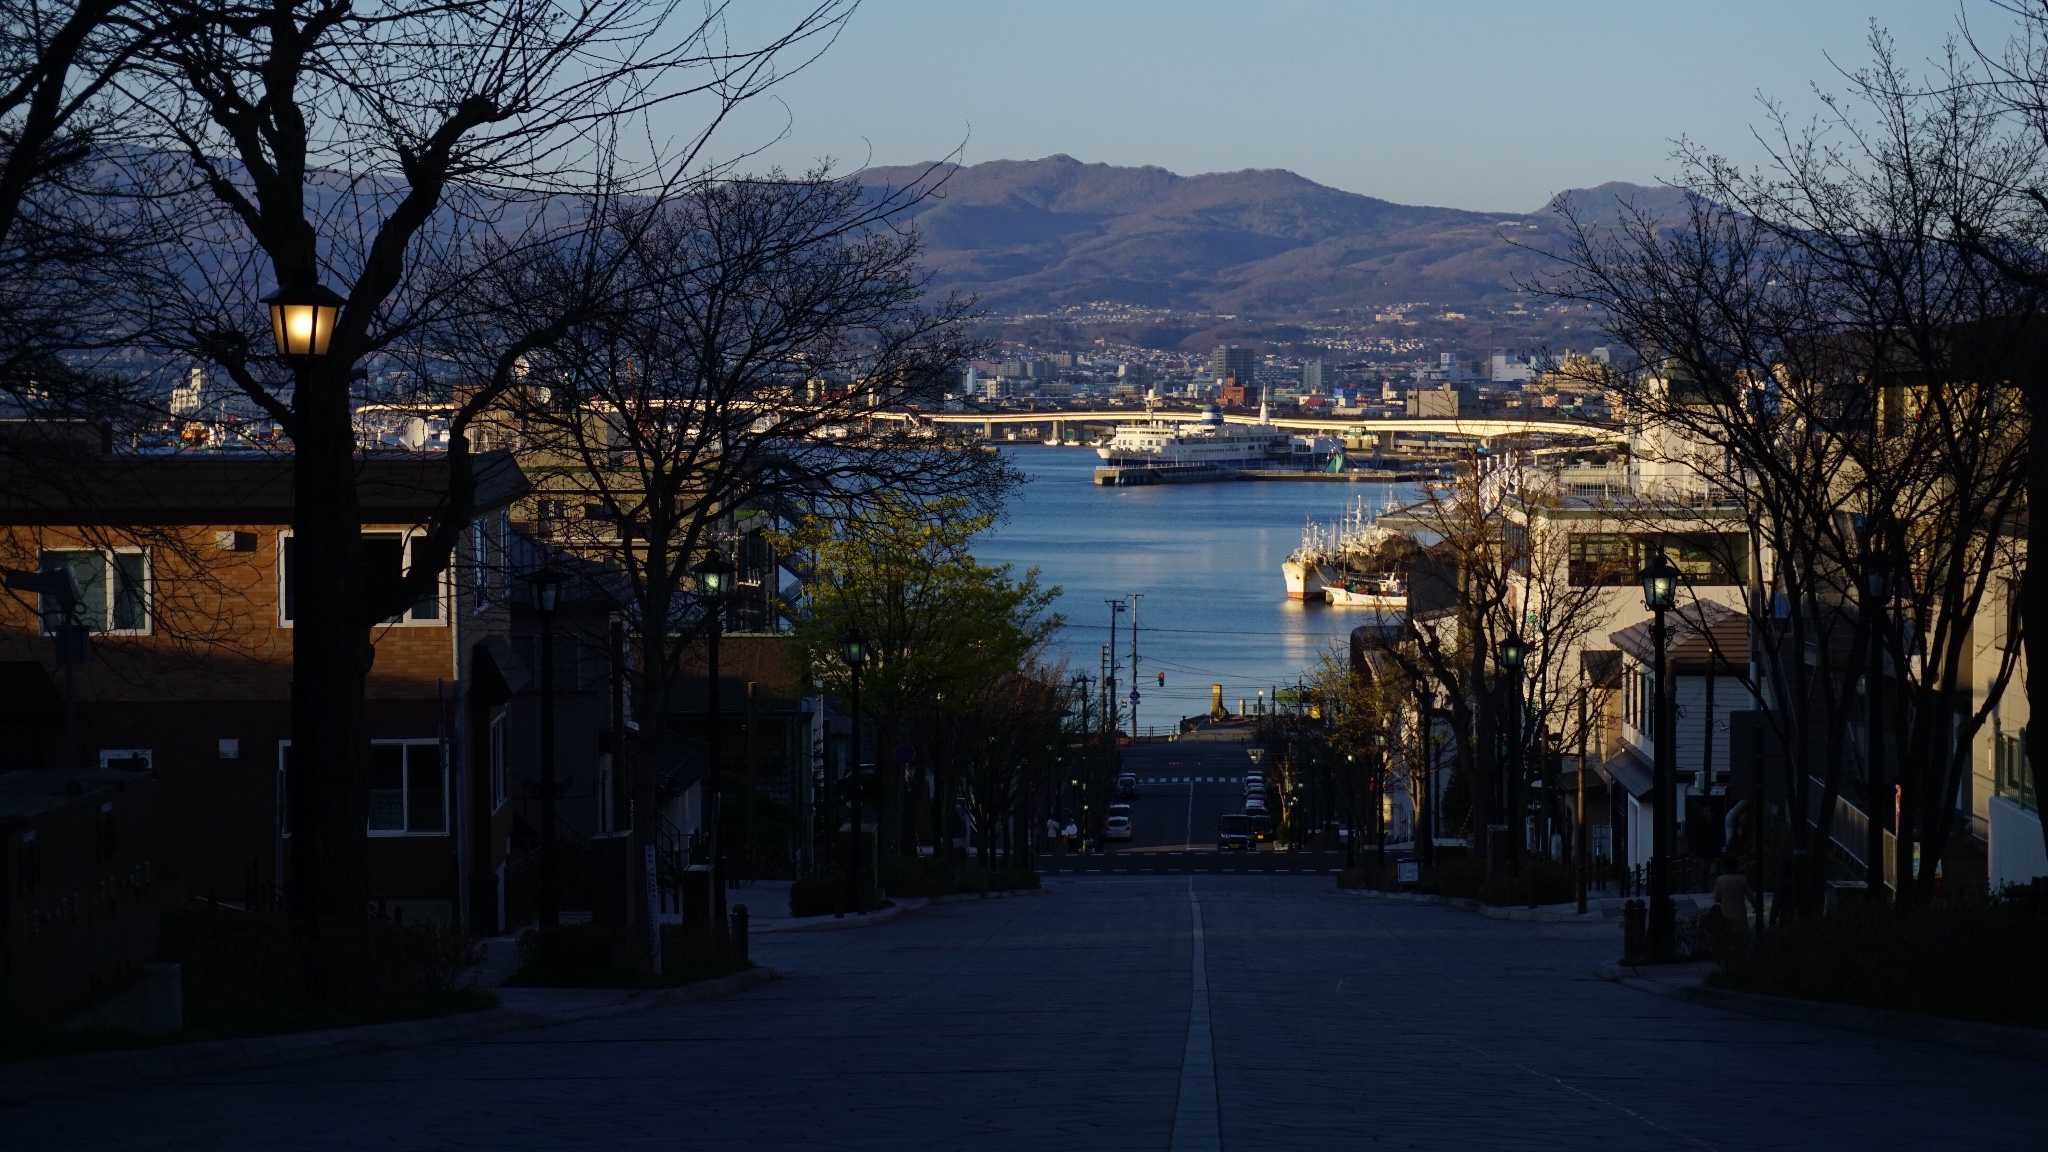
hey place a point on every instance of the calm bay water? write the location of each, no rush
(1207, 558)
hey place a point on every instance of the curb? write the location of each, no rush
(899, 907)
(1969, 1035)
(35, 1080)
(1491, 912)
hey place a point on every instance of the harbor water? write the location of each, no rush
(1205, 556)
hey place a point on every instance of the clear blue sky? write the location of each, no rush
(1482, 105)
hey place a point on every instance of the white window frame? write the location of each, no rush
(111, 587)
(284, 823)
(447, 801)
(443, 592)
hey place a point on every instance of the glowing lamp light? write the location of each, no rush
(1660, 583)
(302, 318)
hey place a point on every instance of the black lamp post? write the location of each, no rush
(546, 586)
(1351, 816)
(1379, 800)
(714, 576)
(854, 647)
(1660, 592)
(1510, 655)
(1878, 573)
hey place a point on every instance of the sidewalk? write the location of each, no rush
(1597, 908)
(1687, 982)
(517, 1008)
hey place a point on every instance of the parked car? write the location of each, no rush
(1255, 805)
(1234, 832)
(1262, 830)
(1255, 787)
(1127, 786)
(1116, 828)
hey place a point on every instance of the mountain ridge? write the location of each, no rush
(1028, 235)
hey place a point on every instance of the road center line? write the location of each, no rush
(1196, 1126)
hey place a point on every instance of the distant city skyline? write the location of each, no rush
(1458, 104)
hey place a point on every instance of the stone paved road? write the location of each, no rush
(1062, 1022)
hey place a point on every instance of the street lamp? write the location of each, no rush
(714, 577)
(1660, 594)
(1351, 816)
(1510, 655)
(1379, 801)
(1878, 575)
(546, 587)
(854, 648)
(302, 318)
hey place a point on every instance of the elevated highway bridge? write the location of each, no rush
(1481, 428)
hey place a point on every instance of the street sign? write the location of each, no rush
(903, 752)
(1407, 872)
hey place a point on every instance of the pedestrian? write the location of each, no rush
(1071, 833)
(1731, 894)
(1052, 832)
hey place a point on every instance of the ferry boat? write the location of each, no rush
(1208, 443)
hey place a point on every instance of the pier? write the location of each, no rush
(1137, 476)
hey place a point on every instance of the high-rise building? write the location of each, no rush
(1312, 377)
(1232, 362)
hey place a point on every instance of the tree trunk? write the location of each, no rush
(331, 653)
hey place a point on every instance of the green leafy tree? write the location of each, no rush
(942, 629)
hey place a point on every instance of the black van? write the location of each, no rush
(1234, 832)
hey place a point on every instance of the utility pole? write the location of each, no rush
(1135, 597)
(1109, 713)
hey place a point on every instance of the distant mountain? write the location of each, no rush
(1032, 234)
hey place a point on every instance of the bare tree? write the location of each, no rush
(397, 152)
(1830, 358)
(765, 334)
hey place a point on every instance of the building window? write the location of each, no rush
(1615, 558)
(386, 557)
(408, 788)
(497, 765)
(480, 564)
(113, 587)
(2011, 775)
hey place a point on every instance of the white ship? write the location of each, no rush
(1304, 578)
(1303, 567)
(1207, 443)
(1339, 563)
(1383, 590)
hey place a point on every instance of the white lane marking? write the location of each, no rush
(1196, 1126)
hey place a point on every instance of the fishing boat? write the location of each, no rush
(1385, 591)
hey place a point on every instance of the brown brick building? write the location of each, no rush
(184, 563)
